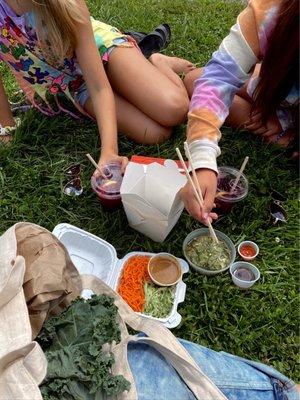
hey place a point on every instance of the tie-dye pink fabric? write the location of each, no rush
(223, 75)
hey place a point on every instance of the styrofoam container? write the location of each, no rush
(94, 256)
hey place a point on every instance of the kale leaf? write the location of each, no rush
(78, 364)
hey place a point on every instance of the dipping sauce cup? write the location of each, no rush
(244, 274)
(248, 250)
(164, 269)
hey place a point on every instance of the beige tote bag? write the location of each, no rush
(23, 364)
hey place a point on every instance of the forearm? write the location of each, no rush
(105, 113)
(6, 117)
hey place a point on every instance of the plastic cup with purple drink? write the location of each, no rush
(107, 186)
(226, 198)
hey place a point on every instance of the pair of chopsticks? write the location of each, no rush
(197, 190)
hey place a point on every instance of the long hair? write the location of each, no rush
(280, 66)
(56, 26)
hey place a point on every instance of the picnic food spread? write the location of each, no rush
(205, 253)
(137, 289)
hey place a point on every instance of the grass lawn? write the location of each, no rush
(261, 324)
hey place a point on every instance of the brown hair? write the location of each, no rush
(56, 26)
(280, 66)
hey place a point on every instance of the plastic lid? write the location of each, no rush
(226, 179)
(109, 184)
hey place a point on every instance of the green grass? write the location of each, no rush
(261, 324)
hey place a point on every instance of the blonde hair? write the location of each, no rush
(56, 26)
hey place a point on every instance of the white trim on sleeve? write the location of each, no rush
(238, 48)
(204, 153)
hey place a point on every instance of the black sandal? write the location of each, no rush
(154, 41)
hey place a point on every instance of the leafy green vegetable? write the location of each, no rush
(205, 253)
(78, 366)
(158, 300)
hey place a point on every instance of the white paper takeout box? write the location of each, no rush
(94, 256)
(151, 200)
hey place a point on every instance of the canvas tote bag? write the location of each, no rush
(23, 364)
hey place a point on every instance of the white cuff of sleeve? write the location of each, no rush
(238, 48)
(204, 154)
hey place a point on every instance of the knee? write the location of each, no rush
(190, 78)
(174, 109)
(157, 135)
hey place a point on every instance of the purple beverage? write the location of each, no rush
(107, 186)
(226, 198)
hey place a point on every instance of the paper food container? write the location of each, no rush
(151, 200)
(94, 256)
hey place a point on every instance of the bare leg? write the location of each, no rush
(159, 95)
(240, 113)
(172, 67)
(6, 117)
(190, 78)
(135, 124)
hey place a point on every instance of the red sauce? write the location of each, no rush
(247, 251)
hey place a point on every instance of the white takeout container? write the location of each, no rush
(94, 256)
(150, 197)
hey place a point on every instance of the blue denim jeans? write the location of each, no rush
(237, 378)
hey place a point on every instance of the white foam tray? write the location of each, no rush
(93, 255)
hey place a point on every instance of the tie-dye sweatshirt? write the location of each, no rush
(224, 74)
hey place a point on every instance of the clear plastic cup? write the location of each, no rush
(225, 200)
(107, 187)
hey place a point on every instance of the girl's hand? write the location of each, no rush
(208, 183)
(272, 126)
(107, 158)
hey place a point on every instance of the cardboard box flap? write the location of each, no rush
(162, 183)
(133, 181)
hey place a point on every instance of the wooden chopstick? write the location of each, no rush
(238, 177)
(198, 195)
(94, 163)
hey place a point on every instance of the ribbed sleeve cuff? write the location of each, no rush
(204, 154)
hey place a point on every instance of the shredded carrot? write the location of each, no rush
(131, 287)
